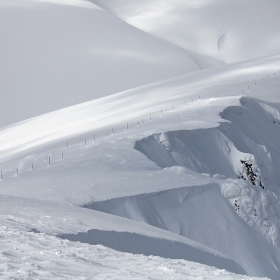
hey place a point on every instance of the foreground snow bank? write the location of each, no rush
(93, 227)
(141, 244)
(29, 255)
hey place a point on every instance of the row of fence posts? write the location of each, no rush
(48, 158)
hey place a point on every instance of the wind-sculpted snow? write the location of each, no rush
(195, 150)
(202, 213)
(84, 155)
(178, 178)
(41, 256)
(40, 220)
(141, 244)
(240, 150)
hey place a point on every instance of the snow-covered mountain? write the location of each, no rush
(228, 31)
(59, 53)
(176, 177)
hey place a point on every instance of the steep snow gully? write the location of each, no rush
(239, 204)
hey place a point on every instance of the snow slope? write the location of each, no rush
(100, 116)
(57, 53)
(224, 30)
(176, 179)
(49, 181)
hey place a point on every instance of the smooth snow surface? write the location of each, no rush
(176, 178)
(53, 56)
(222, 30)
(100, 116)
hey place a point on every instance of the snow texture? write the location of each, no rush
(170, 169)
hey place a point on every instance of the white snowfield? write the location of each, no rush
(174, 179)
(59, 53)
(226, 31)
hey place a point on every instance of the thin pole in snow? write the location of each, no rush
(32, 166)
(62, 156)
(94, 137)
(49, 160)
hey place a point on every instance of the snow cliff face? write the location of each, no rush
(243, 183)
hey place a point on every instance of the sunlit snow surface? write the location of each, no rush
(217, 30)
(177, 179)
(58, 53)
(109, 167)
